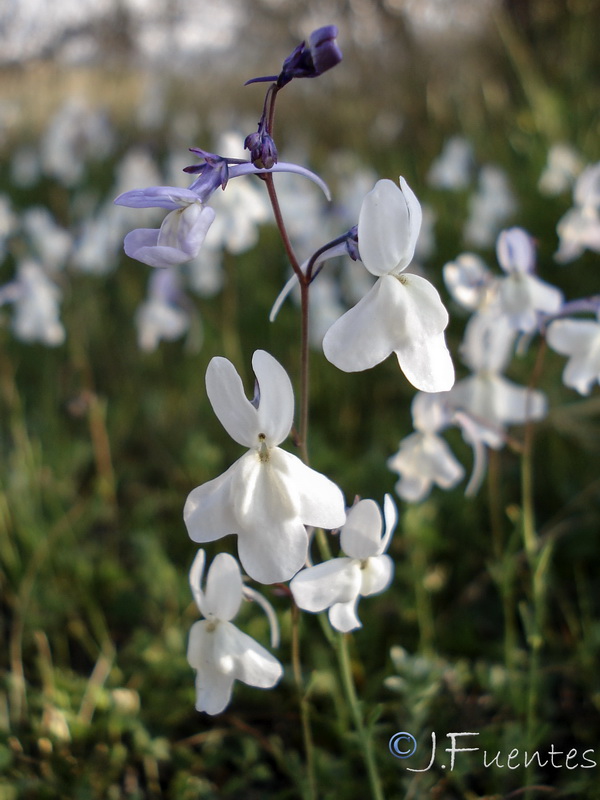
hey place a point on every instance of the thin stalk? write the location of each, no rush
(355, 709)
(535, 559)
(311, 783)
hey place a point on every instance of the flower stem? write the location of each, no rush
(311, 783)
(357, 716)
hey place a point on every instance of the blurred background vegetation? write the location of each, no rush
(100, 441)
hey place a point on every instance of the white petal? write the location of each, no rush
(571, 336)
(388, 227)
(361, 535)
(223, 594)
(208, 511)
(427, 364)
(579, 339)
(321, 500)
(319, 587)
(213, 691)
(515, 404)
(228, 399)
(364, 335)
(213, 687)
(262, 492)
(343, 616)
(195, 579)
(544, 296)
(185, 229)
(488, 342)
(376, 575)
(241, 657)
(413, 488)
(276, 404)
(274, 553)
(515, 250)
(390, 516)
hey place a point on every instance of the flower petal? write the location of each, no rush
(388, 227)
(208, 513)
(364, 335)
(515, 251)
(227, 397)
(169, 197)
(319, 587)
(223, 594)
(241, 657)
(213, 687)
(361, 535)
(276, 404)
(195, 579)
(321, 502)
(185, 229)
(376, 575)
(263, 493)
(427, 364)
(343, 616)
(580, 340)
(274, 553)
(390, 517)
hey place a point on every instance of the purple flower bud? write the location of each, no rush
(263, 152)
(324, 48)
(310, 61)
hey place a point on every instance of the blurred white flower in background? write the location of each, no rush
(453, 168)
(36, 302)
(162, 315)
(579, 228)
(562, 168)
(579, 339)
(424, 459)
(490, 207)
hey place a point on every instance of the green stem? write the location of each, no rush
(311, 783)
(356, 711)
(537, 562)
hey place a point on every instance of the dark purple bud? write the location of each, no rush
(263, 152)
(310, 61)
(324, 48)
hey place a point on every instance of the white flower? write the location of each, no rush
(36, 302)
(161, 315)
(579, 228)
(338, 584)
(182, 232)
(218, 651)
(424, 458)
(469, 281)
(453, 167)
(489, 207)
(402, 313)
(521, 295)
(268, 496)
(580, 340)
(491, 400)
(561, 170)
